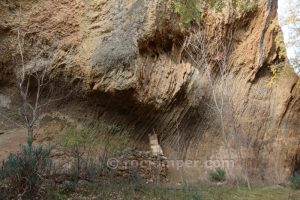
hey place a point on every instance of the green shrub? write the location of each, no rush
(241, 5)
(91, 146)
(217, 175)
(216, 4)
(78, 142)
(295, 180)
(245, 5)
(276, 71)
(188, 10)
(24, 171)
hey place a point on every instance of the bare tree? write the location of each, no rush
(30, 108)
(221, 91)
(197, 51)
(35, 90)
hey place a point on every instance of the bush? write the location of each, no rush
(295, 180)
(217, 175)
(23, 172)
(91, 146)
(238, 5)
(216, 4)
(188, 10)
(77, 142)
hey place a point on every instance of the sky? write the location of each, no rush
(285, 7)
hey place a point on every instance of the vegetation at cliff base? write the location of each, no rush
(25, 171)
(125, 189)
(217, 175)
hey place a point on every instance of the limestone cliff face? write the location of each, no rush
(129, 66)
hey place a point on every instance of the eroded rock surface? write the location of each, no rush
(127, 61)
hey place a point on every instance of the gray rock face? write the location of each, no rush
(121, 48)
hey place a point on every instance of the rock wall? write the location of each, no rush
(127, 64)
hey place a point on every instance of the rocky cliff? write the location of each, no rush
(133, 64)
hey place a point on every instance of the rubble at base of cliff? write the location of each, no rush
(143, 164)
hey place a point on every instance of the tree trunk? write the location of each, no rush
(30, 135)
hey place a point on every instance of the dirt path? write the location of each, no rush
(10, 142)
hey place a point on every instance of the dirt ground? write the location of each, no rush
(10, 142)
